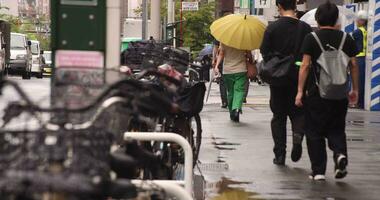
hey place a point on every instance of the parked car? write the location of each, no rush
(21, 58)
(48, 62)
(37, 65)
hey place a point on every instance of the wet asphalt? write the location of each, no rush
(236, 159)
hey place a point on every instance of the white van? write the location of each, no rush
(36, 59)
(21, 59)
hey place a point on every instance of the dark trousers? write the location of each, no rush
(246, 87)
(325, 119)
(222, 87)
(282, 104)
(361, 63)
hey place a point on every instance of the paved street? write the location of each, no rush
(37, 89)
(236, 159)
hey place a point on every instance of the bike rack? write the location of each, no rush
(172, 189)
(169, 137)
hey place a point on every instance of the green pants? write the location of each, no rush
(235, 84)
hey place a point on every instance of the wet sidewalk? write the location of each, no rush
(236, 159)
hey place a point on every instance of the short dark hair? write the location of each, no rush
(287, 4)
(327, 14)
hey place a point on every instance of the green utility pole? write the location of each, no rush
(81, 35)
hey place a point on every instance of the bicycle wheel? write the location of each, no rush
(196, 136)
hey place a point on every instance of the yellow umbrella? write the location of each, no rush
(243, 32)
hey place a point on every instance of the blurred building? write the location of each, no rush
(33, 8)
(123, 13)
(9, 7)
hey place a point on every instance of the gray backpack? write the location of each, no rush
(333, 77)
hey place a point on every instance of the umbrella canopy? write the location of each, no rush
(345, 15)
(243, 32)
(206, 51)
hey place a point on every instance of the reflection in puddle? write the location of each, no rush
(228, 189)
(361, 122)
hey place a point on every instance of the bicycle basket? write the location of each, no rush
(191, 98)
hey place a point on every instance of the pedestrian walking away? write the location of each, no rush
(323, 90)
(235, 77)
(222, 87)
(235, 52)
(360, 37)
(282, 40)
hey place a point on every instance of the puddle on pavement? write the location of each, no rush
(227, 189)
(361, 122)
(225, 144)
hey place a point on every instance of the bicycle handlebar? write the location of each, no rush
(115, 86)
(159, 75)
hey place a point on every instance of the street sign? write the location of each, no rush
(190, 6)
(263, 3)
(79, 59)
(80, 2)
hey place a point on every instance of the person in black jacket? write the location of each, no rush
(326, 117)
(281, 38)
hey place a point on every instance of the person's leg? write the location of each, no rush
(362, 75)
(223, 89)
(278, 123)
(246, 91)
(229, 83)
(315, 122)
(239, 90)
(297, 119)
(316, 146)
(336, 136)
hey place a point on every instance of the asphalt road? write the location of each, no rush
(236, 159)
(38, 90)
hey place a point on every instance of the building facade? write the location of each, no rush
(9, 7)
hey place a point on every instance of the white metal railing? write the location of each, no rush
(169, 137)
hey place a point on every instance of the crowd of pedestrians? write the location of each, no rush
(319, 78)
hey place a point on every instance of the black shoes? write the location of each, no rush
(340, 166)
(235, 116)
(224, 105)
(279, 160)
(297, 147)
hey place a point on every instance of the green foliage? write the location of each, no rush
(197, 26)
(25, 26)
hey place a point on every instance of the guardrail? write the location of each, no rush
(169, 137)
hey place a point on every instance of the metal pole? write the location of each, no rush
(155, 19)
(170, 11)
(181, 26)
(113, 34)
(144, 19)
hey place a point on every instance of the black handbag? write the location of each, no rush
(280, 69)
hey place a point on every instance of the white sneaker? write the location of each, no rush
(318, 177)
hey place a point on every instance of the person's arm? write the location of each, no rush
(251, 65)
(353, 97)
(219, 58)
(266, 48)
(214, 55)
(304, 72)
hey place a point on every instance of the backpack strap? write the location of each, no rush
(318, 41)
(343, 41)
